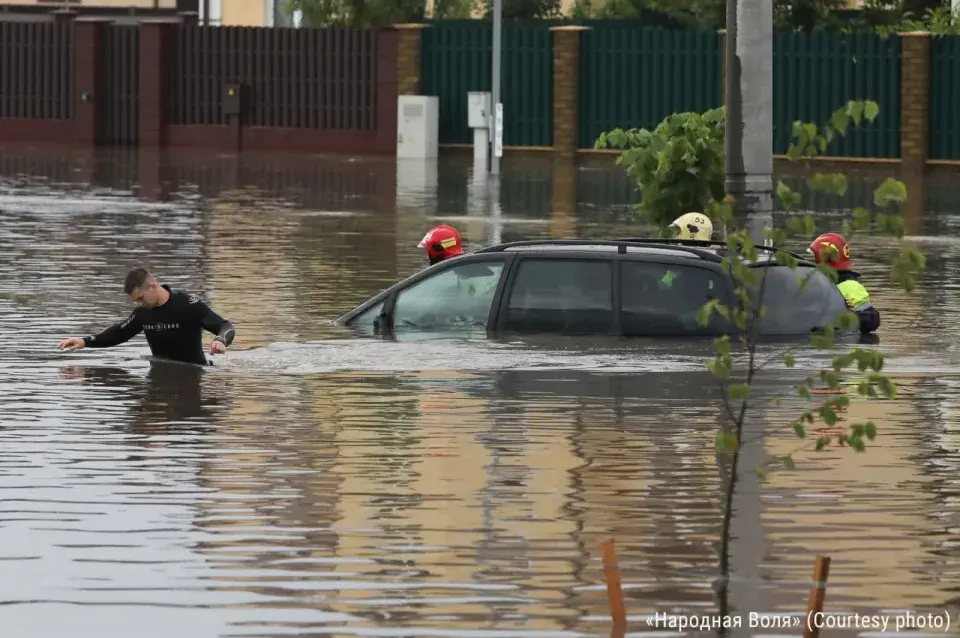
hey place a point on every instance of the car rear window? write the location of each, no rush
(792, 308)
(569, 296)
(664, 299)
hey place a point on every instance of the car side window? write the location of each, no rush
(664, 299)
(458, 297)
(568, 296)
(366, 321)
(797, 301)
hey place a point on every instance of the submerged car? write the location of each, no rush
(627, 287)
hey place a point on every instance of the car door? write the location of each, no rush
(660, 298)
(561, 294)
(458, 296)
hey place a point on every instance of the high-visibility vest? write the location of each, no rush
(854, 292)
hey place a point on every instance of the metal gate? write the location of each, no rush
(119, 72)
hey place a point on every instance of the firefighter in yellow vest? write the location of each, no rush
(832, 249)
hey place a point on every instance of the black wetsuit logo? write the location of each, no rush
(160, 326)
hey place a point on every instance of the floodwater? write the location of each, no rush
(315, 484)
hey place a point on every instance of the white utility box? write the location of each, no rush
(418, 126)
(478, 109)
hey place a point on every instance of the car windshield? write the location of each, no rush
(798, 301)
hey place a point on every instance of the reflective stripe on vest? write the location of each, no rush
(854, 292)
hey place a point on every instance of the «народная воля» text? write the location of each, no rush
(900, 620)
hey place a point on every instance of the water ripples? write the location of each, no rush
(311, 483)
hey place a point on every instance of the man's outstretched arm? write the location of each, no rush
(116, 334)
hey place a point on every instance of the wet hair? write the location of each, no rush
(137, 278)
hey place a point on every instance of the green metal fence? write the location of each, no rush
(456, 59)
(945, 97)
(635, 77)
(815, 73)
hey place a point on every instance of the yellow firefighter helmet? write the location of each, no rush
(693, 226)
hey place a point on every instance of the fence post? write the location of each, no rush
(566, 90)
(914, 100)
(154, 57)
(88, 83)
(818, 592)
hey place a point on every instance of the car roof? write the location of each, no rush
(711, 251)
(705, 251)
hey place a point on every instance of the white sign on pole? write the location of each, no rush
(498, 130)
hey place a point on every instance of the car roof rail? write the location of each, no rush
(622, 244)
(705, 243)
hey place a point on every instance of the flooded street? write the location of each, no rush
(315, 484)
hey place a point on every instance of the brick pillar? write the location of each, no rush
(409, 46)
(154, 56)
(566, 89)
(914, 100)
(87, 81)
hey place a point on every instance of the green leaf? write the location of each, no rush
(789, 360)
(891, 191)
(829, 416)
(870, 110)
(799, 430)
(726, 442)
(822, 442)
(703, 315)
(788, 462)
(871, 430)
(739, 392)
(855, 111)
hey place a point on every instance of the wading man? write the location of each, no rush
(171, 320)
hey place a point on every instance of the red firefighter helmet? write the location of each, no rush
(832, 249)
(441, 242)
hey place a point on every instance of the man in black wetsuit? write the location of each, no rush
(171, 320)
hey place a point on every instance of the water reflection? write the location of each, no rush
(317, 484)
(170, 396)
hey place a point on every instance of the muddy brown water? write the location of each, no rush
(317, 484)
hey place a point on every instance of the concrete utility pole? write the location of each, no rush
(748, 155)
(496, 138)
(748, 149)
